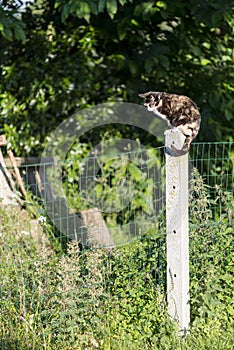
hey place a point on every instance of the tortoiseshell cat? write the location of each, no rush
(179, 111)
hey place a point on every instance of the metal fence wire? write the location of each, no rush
(83, 257)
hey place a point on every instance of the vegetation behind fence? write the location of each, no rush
(57, 293)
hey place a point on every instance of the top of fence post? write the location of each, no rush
(177, 232)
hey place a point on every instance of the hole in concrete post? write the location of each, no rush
(174, 231)
(173, 187)
(174, 274)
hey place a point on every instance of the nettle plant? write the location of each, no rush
(211, 250)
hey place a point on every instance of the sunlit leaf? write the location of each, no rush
(83, 11)
(205, 61)
(112, 7)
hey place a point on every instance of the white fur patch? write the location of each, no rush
(155, 111)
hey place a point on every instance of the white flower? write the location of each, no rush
(41, 219)
(25, 233)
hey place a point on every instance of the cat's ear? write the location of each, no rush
(149, 93)
(143, 95)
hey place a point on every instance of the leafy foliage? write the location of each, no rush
(212, 241)
(94, 299)
(11, 26)
(60, 56)
(125, 187)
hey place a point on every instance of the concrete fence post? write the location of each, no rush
(177, 232)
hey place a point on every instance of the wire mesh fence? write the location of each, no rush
(83, 264)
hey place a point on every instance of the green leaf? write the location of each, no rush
(205, 61)
(161, 4)
(228, 114)
(149, 64)
(215, 18)
(145, 10)
(112, 8)
(57, 4)
(135, 23)
(93, 6)
(206, 45)
(101, 5)
(122, 29)
(165, 62)
(133, 67)
(83, 11)
(7, 32)
(65, 12)
(196, 51)
(20, 34)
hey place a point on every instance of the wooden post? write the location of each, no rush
(177, 232)
(7, 189)
(17, 173)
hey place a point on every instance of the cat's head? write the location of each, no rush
(151, 99)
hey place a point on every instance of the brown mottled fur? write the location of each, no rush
(179, 111)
